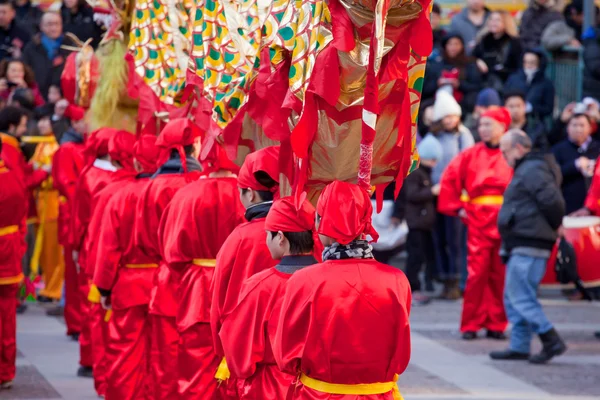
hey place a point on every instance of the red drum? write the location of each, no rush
(584, 234)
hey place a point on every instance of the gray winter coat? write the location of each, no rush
(535, 19)
(533, 204)
(462, 25)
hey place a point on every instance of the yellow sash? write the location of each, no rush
(222, 373)
(141, 266)
(493, 200)
(7, 230)
(358, 389)
(204, 262)
(94, 294)
(9, 280)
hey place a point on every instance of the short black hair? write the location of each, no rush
(7, 3)
(514, 93)
(10, 115)
(24, 97)
(264, 179)
(188, 150)
(435, 9)
(300, 242)
(579, 115)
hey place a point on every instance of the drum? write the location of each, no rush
(584, 234)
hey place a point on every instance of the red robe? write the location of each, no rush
(13, 211)
(592, 201)
(484, 174)
(195, 225)
(127, 273)
(150, 207)
(67, 164)
(246, 339)
(344, 322)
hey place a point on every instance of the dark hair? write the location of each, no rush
(10, 116)
(45, 111)
(515, 93)
(462, 60)
(7, 3)
(435, 9)
(579, 115)
(300, 242)
(188, 150)
(24, 97)
(29, 76)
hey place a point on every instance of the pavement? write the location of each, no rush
(442, 365)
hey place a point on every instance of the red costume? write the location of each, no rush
(192, 230)
(483, 174)
(13, 211)
(67, 164)
(94, 177)
(125, 274)
(243, 254)
(344, 322)
(173, 174)
(246, 331)
(592, 201)
(120, 150)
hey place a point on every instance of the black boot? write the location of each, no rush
(85, 372)
(508, 355)
(469, 335)
(553, 346)
(496, 335)
(597, 335)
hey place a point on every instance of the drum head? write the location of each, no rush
(580, 222)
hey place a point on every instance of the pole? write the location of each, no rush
(589, 15)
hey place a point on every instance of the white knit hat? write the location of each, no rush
(445, 105)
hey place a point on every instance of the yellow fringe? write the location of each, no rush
(222, 373)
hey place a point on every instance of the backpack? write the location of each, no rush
(566, 267)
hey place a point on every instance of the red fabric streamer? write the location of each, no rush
(284, 216)
(146, 153)
(345, 210)
(266, 160)
(217, 160)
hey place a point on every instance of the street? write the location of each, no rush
(442, 365)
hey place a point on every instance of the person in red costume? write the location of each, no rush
(123, 276)
(592, 200)
(120, 151)
(94, 177)
(481, 172)
(192, 230)
(13, 211)
(344, 323)
(245, 252)
(179, 144)
(67, 164)
(247, 331)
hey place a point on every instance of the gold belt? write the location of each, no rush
(7, 230)
(493, 200)
(141, 266)
(204, 262)
(357, 389)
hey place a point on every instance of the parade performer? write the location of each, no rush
(481, 172)
(247, 332)
(345, 348)
(179, 144)
(244, 253)
(94, 177)
(124, 276)
(194, 226)
(120, 151)
(13, 211)
(67, 164)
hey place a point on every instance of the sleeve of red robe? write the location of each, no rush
(592, 201)
(149, 213)
(65, 173)
(451, 187)
(109, 249)
(95, 227)
(81, 211)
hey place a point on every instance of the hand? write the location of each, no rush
(60, 108)
(3, 85)
(575, 43)
(15, 52)
(105, 302)
(395, 221)
(567, 113)
(442, 81)
(483, 68)
(20, 83)
(584, 164)
(561, 231)
(455, 83)
(582, 212)
(435, 189)
(462, 213)
(593, 111)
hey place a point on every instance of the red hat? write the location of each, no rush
(345, 210)
(146, 152)
(499, 114)
(176, 134)
(217, 159)
(120, 148)
(74, 113)
(266, 160)
(283, 216)
(96, 145)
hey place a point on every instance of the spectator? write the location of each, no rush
(13, 37)
(420, 216)
(44, 53)
(591, 63)
(535, 19)
(469, 21)
(454, 138)
(78, 19)
(28, 15)
(24, 99)
(487, 98)
(573, 14)
(528, 222)
(75, 133)
(15, 74)
(558, 35)
(588, 106)
(531, 80)
(438, 32)
(516, 103)
(576, 156)
(455, 72)
(498, 50)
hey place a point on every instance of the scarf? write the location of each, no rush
(259, 210)
(175, 166)
(359, 249)
(51, 46)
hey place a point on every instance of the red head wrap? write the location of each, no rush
(145, 152)
(217, 159)
(96, 145)
(179, 132)
(266, 160)
(345, 210)
(74, 113)
(499, 114)
(283, 216)
(120, 148)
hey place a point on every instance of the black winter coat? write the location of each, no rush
(15, 36)
(591, 64)
(420, 208)
(502, 56)
(533, 206)
(81, 24)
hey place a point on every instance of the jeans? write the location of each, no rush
(523, 276)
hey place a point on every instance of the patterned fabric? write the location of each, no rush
(359, 249)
